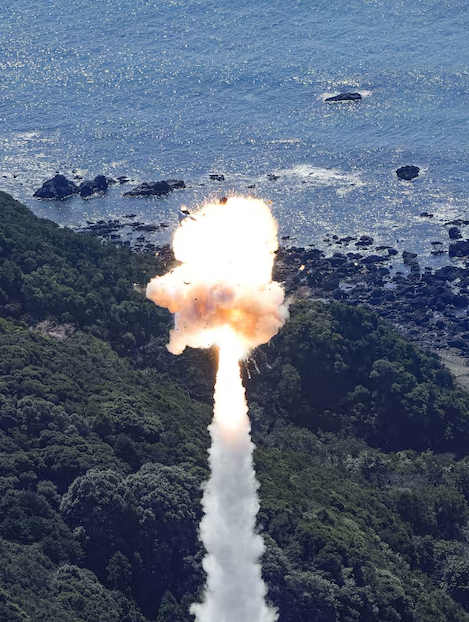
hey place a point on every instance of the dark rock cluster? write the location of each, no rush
(156, 188)
(430, 306)
(59, 187)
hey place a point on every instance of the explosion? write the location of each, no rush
(222, 294)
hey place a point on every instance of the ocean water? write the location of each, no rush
(158, 89)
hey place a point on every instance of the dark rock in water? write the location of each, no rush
(459, 249)
(217, 177)
(458, 222)
(407, 172)
(409, 257)
(272, 176)
(98, 185)
(59, 187)
(157, 188)
(130, 216)
(426, 215)
(365, 240)
(143, 227)
(123, 179)
(454, 233)
(111, 181)
(393, 251)
(436, 243)
(344, 97)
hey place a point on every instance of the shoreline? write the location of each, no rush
(429, 307)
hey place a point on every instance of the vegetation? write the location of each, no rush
(361, 444)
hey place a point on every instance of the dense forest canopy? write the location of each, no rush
(361, 442)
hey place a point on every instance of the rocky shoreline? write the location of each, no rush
(430, 306)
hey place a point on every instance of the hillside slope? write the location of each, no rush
(103, 451)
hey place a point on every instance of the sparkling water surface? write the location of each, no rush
(184, 88)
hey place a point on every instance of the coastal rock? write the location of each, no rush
(59, 187)
(157, 188)
(459, 249)
(365, 240)
(410, 259)
(216, 177)
(344, 97)
(454, 233)
(407, 172)
(98, 185)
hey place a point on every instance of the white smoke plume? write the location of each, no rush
(223, 294)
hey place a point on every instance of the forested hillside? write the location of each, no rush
(361, 442)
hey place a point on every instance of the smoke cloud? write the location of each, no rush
(222, 293)
(225, 277)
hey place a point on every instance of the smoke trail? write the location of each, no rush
(223, 294)
(235, 590)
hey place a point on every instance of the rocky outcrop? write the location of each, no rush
(459, 249)
(216, 177)
(344, 97)
(427, 306)
(98, 185)
(157, 188)
(454, 233)
(57, 188)
(407, 172)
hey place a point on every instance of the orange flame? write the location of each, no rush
(225, 277)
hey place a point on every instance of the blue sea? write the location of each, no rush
(157, 89)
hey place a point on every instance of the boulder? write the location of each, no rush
(344, 97)
(157, 188)
(58, 188)
(98, 185)
(410, 259)
(454, 233)
(407, 172)
(459, 249)
(216, 177)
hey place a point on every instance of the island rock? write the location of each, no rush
(58, 188)
(98, 185)
(344, 97)
(407, 172)
(157, 188)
